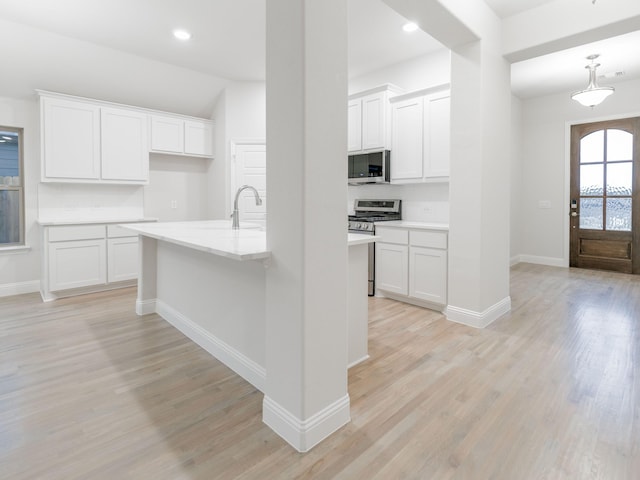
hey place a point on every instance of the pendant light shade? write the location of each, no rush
(592, 95)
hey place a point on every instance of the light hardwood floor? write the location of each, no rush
(88, 390)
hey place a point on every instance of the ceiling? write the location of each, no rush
(228, 44)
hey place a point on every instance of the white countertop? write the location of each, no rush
(361, 239)
(417, 225)
(211, 236)
(217, 237)
(48, 222)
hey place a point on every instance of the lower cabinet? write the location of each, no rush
(77, 263)
(87, 257)
(391, 268)
(411, 265)
(122, 255)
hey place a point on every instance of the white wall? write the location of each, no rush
(421, 72)
(179, 181)
(20, 272)
(545, 157)
(516, 179)
(239, 114)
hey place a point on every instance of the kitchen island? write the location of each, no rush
(209, 282)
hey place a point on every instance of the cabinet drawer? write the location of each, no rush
(399, 236)
(430, 239)
(116, 231)
(76, 232)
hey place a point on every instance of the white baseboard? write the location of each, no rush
(550, 261)
(145, 307)
(253, 373)
(515, 260)
(478, 319)
(303, 435)
(18, 288)
(358, 361)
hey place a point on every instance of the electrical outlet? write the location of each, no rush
(544, 203)
(174, 204)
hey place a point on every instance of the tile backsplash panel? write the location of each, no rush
(71, 201)
(425, 202)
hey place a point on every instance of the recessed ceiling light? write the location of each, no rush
(181, 34)
(410, 27)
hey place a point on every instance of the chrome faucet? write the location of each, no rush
(235, 216)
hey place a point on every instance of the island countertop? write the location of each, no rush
(218, 238)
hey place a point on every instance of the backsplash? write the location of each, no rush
(424, 202)
(70, 201)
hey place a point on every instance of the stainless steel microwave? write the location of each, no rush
(372, 167)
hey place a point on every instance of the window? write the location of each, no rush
(606, 173)
(11, 188)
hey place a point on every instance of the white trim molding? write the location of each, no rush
(145, 307)
(550, 261)
(253, 373)
(18, 288)
(478, 319)
(303, 435)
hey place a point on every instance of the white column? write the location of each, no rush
(479, 198)
(306, 313)
(479, 187)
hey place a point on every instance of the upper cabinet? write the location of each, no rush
(91, 141)
(368, 119)
(181, 136)
(70, 140)
(420, 124)
(124, 148)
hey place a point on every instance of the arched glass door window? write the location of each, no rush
(606, 179)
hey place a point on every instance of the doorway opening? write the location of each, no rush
(604, 203)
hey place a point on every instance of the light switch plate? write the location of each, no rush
(544, 203)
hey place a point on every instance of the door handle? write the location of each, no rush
(574, 214)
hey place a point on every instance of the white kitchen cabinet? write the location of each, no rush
(77, 256)
(391, 268)
(90, 142)
(70, 139)
(122, 254)
(420, 136)
(411, 265)
(125, 154)
(354, 125)
(181, 136)
(167, 134)
(437, 135)
(369, 119)
(407, 139)
(87, 258)
(198, 138)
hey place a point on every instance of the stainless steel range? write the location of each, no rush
(367, 212)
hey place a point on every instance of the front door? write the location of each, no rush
(605, 207)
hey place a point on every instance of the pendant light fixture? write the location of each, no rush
(593, 95)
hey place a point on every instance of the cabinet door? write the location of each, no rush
(354, 126)
(437, 134)
(391, 268)
(125, 150)
(167, 134)
(71, 140)
(374, 108)
(76, 264)
(122, 255)
(407, 131)
(428, 274)
(198, 138)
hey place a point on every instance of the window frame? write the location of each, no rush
(19, 188)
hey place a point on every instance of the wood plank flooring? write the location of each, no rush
(88, 390)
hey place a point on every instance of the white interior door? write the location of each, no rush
(250, 169)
